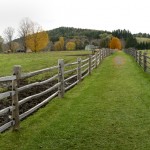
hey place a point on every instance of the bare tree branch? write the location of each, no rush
(24, 30)
(9, 33)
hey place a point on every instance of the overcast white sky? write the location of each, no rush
(92, 14)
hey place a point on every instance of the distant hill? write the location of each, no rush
(70, 32)
(100, 38)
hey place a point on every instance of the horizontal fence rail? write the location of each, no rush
(141, 58)
(21, 102)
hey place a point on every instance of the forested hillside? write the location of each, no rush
(69, 38)
(70, 32)
(89, 36)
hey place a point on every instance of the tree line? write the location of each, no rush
(129, 40)
(144, 35)
(33, 37)
(82, 37)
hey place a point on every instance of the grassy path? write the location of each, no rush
(109, 110)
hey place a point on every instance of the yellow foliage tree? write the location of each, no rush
(115, 43)
(57, 46)
(61, 40)
(71, 46)
(37, 41)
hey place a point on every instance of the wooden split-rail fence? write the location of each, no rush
(64, 80)
(141, 58)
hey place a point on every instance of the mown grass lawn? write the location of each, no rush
(35, 61)
(108, 110)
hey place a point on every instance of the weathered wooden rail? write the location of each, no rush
(67, 76)
(141, 58)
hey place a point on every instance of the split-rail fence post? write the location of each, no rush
(100, 56)
(90, 64)
(145, 61)
(140, 55)
(79, 75)
(61, 88)
(15, 104)
(96, 59)
(102, 53)
(136, 55)
(107, 52)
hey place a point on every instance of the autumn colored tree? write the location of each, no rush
(57, 46)
(37, 41)
(61, 41)
(71, 46)
(79, 44)
(115, 43)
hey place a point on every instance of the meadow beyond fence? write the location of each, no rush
(141, 58)
(24, 98)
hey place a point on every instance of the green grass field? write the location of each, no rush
(147, 51)
(108, 110)
(35, 61)
(141, 39)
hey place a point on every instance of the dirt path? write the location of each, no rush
(118, 60)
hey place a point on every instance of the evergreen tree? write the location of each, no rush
(131, 42)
